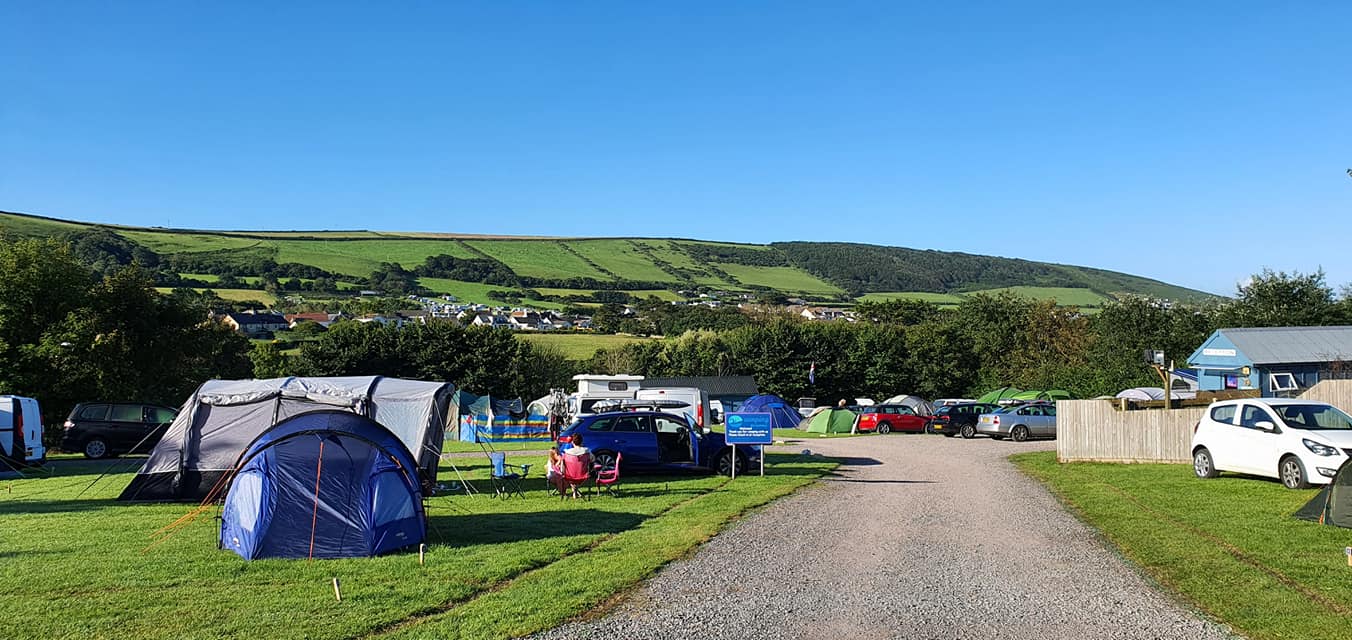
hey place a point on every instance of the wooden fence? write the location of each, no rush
(1096, 430)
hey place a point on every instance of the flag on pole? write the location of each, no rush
(812, 373)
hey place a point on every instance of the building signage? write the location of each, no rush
(1219, 353)
(748, 428)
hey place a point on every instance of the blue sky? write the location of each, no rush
(1195, 144)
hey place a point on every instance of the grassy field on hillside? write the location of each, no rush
(671, 253)
(238, 295)
(87, 566)
(1229, 545)
(26, 226)
(579, 346)
(622, 258)
(1062, 295)
(538, 258)
(941, 299)
(163, 242)
(361, 257)
(780, 278)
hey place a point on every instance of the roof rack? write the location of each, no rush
(634, 405)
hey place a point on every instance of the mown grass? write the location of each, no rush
(789, 279)
(622, 258)
(237, 295)
(538, 258)
(83, 565)
(579, 346)
(1064, 296)
(1228, 546)
(941, 299)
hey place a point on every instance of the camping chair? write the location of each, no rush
(505, 481)
(577, 470)
(607, 478)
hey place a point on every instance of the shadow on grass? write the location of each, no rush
(56, 506)
(465, 530)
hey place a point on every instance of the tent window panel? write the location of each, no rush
(390, 499)
(248, 499)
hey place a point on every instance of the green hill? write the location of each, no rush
(584, 270)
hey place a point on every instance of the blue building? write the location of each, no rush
(1274, 360)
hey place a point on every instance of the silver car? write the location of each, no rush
(1019, 423)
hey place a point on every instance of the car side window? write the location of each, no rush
(665, 425)
(1252, 415)
(631, 424)
(127, 413)
(905, 411)
(604, 424)
(159, 415)
(94, 412)
(1224, 414)
(1049, 411)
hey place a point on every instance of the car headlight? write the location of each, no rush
(1319, 449)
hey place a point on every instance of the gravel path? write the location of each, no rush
(917, 537)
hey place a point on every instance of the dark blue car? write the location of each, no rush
(652, 440)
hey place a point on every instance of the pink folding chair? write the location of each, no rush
(608, 478)
(576, 471)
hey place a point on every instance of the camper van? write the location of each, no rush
(592, 389)
(595, 388)
(21, 430)
(698, 409)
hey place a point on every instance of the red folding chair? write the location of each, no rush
(608, 478)
(577, 470)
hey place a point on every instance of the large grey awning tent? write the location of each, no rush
(223, 417)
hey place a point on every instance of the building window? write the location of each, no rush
(1282, 382)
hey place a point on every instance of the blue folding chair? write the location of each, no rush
(506, 477)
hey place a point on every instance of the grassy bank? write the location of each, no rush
(1229, 546)
(83, 565)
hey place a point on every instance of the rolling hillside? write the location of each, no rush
(554, 271)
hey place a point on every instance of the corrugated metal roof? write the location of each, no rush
(1273, 345)
(715, 385)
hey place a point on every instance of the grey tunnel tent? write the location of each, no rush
(222, 417)
(1333, 504)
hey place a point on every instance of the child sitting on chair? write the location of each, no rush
(554, 470)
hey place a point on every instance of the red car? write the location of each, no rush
(887, 418)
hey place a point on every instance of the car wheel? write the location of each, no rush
(1019, 434)
(1292, 473)
(604, 458)
(723, 465)
(884, 428)
(95, 448)
(1203, 465)
(968, 431)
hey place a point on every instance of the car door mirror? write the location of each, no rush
(1266, 425)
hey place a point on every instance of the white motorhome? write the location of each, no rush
(21, 430)
(594, 388)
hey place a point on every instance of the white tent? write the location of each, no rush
(1142, 393)
(922, 406)
(223, 417)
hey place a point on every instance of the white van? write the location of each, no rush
(595, 388)
(699, 410)
(21, 430)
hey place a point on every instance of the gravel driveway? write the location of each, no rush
(917, 537)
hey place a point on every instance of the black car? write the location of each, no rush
(102, 429)
(959, 419)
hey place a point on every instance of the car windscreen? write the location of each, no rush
(1315, 417)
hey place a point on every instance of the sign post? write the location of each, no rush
(748, 428)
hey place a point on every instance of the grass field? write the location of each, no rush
(538, 258)
(622, 258)
(1062, 295)
(941, 299)
(780, 278)
(1229, 546)
(237, 295)
(579, 346)
(85, 565)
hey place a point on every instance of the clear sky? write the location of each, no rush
(1195, 142)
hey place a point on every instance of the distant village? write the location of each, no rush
(261, 323)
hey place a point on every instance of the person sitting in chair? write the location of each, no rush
(577, 449)
(583, 464)
(554, 470)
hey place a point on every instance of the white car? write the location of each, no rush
(1299, 442)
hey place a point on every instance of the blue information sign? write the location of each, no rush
(748, 428)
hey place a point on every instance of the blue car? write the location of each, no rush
(656, 441)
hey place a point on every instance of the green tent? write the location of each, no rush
(999, 394)
(831, 421)
(1333, 504)
(1051, 394)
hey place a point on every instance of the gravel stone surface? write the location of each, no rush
(916, 537)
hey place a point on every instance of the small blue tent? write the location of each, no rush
(782, 415)
(324, 484)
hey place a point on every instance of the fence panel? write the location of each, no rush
(1094, 430)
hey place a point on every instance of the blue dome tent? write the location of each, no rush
(782, 414)
(324, 484)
